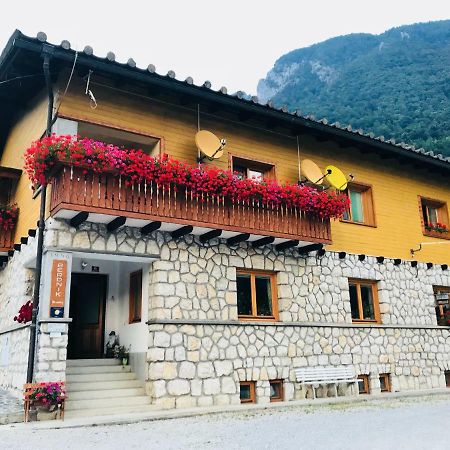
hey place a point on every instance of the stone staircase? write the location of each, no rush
(98, 387)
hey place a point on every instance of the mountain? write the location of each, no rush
(396, 84)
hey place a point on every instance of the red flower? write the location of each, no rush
(25, 313)
(134, 166)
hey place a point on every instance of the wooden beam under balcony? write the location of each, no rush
(24, 240)
(31, 232)
(238, 238)
(17, 247)
(285, 245)
(79, 219)
(263, 241)
(152, 226)
(205, 237)
(310, 248)
(116, 223)
(182, 231)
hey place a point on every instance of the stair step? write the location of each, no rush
(106, 402)
(78, 370)
(77, 413)
(93, 362)
(106, 376)
(101, 385)
(105, 393)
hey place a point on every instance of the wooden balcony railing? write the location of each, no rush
(76, 189)
(6, 240)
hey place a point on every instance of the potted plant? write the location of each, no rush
(122, 353)
(47, 396)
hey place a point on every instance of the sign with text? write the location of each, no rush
(58, 287)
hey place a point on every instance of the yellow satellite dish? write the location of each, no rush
(336, 178)
(209, 144)
(311, 171)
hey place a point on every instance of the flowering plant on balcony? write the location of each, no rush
(8, 217)
(25, 312)
(439, 227)
(136, 167)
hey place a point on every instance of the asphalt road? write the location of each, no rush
(388, 424)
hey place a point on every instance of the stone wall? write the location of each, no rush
(198, 351)
(16, 288)
(200, 365)
(194, 281)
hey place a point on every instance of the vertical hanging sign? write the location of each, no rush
(58, 287)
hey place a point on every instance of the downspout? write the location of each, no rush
(47, 54)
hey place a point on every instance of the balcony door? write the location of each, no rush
(87, 311)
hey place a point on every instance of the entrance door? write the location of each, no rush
(87, 310)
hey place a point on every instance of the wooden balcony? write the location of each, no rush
(6, 240)
(106, 197)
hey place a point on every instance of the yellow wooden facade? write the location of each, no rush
(395, 187)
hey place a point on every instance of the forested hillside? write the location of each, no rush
(396, 84)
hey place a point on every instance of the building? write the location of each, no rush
(217, 303)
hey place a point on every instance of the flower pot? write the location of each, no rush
(124, 361)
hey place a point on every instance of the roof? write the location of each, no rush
(21, 60)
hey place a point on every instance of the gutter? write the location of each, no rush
(47, 53)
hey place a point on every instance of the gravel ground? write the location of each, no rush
(396, 424)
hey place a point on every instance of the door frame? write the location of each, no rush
(102, 322)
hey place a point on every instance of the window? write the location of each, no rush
(363, 384)
(447, 378)
(247, 168)
(434, 216)
(385, 382)
(247, 392)
(361, 205)
(256, 295)
(135, 296)
(276, 390)
(364, 301)
(122, 138)
(442, 304)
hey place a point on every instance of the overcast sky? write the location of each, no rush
(232, 43)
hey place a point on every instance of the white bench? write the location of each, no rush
(326, 375)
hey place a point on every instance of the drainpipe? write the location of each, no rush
(47, 52)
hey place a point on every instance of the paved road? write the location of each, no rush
(398, 424)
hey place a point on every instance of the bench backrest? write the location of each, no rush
(324, 373)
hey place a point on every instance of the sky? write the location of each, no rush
(231, 43)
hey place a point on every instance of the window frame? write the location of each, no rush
(442, 209)
(132, 300)
(376, 305)
(368, 204)
(273, 286)
(281, 396)
(387, 381)
(365, 383)
(268, 168)
(447, 378)
(75, 118)
(252, 385)
(441, 289)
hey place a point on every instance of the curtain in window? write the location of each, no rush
(356, 205)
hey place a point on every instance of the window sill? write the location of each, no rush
(366, 322)
(257, 319)
(436, 234)
(358, 223)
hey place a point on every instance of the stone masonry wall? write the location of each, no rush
(201, 365)
(16, 288)
(199, 351)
